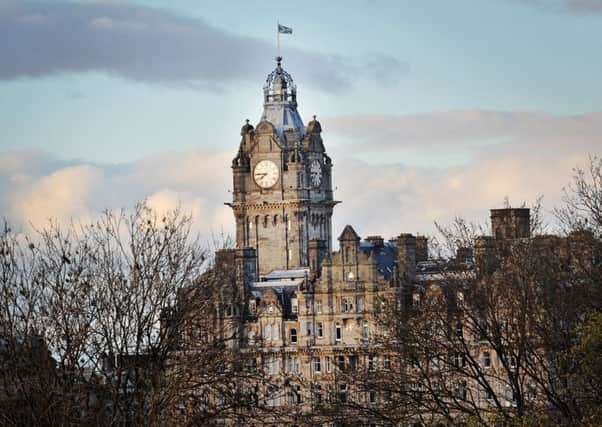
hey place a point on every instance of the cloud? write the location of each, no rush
(460, 137)
(389, 194)
(39, 39)
(574, 6)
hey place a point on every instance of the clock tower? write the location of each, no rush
(282, 197)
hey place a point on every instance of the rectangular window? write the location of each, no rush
(365, 329)
(327, 363)
(320, 329)
(359, 304)
(486, 359)
(338, 333)
(318, 306)
(316, 365)
(372, 396)
(293, 336)
(371, 363)
(308, 328)
(387, 362)
(342, 393)
(317, 393)
(341, 362)
(293, 365)
(353, 362)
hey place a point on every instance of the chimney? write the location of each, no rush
(406, 249)
(422, 248)
(484, 252)
(510, 223)
(377, 241)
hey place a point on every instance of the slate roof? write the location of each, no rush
(385, 255)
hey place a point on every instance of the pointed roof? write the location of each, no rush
(349, 234)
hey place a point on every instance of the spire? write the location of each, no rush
(280, 101)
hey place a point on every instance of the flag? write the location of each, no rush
(284, 30)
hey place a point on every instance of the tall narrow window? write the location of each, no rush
(320, 329)
(338, 332)
(486, 359)
(293, 336)
(318, 306)
(371, 363)
(327, 363)
(308, 328)
(365, 329)
(316, 365)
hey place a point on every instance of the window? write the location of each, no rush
(318, 306)
(352, 362)
(293, 365)
(293, 336)
(274, 331)
(372, 396)
(307, 307)
(315, 361)
(308, 328)
(252, 306)
(341, 362)
(459, 332)
(486, 359)
(359, 304)
(338, 332)
(342, 393)
(346, 305)
(267, 332)
(387, 362)
(251, 337)
(488, 393)
(365, 329)
(512, 361)
(294, 306)
(458, 360)
(293, 395)
(350, 275)
(272, 366)
(327, 363)
(320, 329)
(316, 391)
(460, 391)
(371, 363)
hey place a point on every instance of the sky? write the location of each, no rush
(429, 109)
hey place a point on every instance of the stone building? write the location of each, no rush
(304, 313)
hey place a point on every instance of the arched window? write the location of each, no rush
(293, 336)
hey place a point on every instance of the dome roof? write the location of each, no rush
(280, 102)
(246, 128)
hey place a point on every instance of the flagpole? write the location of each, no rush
(278, 38)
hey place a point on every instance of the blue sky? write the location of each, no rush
(428, 99)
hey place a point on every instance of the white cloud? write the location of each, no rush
(534, 157)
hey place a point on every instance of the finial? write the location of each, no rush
(247, 120)
(278, 60)
(314, 117)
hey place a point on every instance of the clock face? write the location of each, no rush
(266, 174)
(315, 173)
